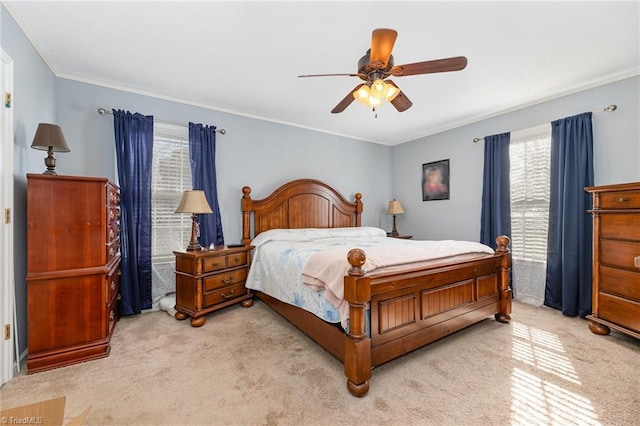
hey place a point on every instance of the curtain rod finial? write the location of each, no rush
(611, 108)
(476, 140)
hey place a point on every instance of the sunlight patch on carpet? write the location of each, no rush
(535, 400)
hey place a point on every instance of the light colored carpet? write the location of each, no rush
(251, 367)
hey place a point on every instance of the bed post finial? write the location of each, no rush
(358, 212)
(246, 208)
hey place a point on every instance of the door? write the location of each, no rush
(7, 300)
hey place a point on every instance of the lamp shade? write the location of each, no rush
(50, 136)
(395, 207)
(194, 201)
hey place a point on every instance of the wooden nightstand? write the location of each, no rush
(404, 237)
(208, 280)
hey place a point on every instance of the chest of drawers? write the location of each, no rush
(208, 280)
(616, 259)
(73, 269)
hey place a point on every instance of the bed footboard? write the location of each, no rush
(412, 308)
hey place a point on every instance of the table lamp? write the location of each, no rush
(194, 202)
(395, 208)
(49, 138)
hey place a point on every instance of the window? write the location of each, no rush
(171, 176)
(530, 157)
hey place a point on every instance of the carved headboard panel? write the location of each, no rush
(302, 203)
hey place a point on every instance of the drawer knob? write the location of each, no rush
(113, 285)
(623, 199)
(227, 280)
(636, 262)
(119, 297)
(228, 296)
(112, 316)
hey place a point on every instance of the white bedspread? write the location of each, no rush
(306, 267)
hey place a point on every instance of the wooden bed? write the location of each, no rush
(407, 309)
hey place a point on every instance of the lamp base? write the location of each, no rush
(394, 231)
(194, 244)
(50, 162)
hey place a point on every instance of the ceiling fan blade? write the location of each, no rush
(400, 102)
(439, 65)
(343, 104)
(382, 42)
(330, 75)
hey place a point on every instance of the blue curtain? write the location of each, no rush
(134, 152)
(496, 198)
(202, 156)
(568, 285)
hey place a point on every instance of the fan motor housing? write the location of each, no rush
(373, 73)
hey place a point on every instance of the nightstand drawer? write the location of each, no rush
(224, 279)
(224, 294)
(220, 262)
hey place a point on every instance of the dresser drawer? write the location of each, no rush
(619, 282)
(620, 226)
(112, 249)
(623, 312)
(220, 262)
(113, 195)
(224, 279)
(223, 294)
(113, 232)
(620, 200)
(621, 254)
(113, 215)
(113, 283)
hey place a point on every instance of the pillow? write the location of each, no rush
(311, 234)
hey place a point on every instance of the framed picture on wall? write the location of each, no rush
(435, 180)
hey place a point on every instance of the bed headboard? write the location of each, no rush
(302, 203)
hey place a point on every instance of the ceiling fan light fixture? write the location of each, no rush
(362, 94)
(391, 92)
(379, 89)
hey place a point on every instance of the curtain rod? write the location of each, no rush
(104, 111)
(609, 108)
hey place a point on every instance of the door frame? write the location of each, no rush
(8, 347)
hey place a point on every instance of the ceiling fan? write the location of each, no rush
(377, 65)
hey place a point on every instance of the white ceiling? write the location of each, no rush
(244, 57)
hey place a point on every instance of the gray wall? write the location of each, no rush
(616, 158)
(33, 103)
(253, 152)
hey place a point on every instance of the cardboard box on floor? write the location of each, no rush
(50, 413)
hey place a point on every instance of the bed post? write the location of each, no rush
(357, 347)
(246, 215)
(358, 212)
(504, 289)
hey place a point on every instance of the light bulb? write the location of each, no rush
(362, 94)
(392, 92)
(378, 89)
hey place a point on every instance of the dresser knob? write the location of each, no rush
(636, 262)
(623, 199)
(228, 296)
(112, 316)
(227, 280)
(113, 285)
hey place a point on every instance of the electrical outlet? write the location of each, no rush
(7, 332)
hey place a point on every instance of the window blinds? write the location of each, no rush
(530, 169)
(171, 176)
